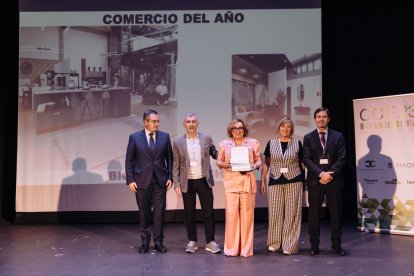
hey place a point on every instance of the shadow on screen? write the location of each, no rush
(377, 183)
(78, 190)
(81, 174)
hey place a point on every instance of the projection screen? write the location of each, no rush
(85, 79)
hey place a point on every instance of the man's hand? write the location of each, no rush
(178, 191)
(169, 184)
(326, 178)
(133, 187)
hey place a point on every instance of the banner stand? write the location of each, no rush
(384, 132)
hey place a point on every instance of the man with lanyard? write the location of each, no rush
(324, 155)
(192, 175)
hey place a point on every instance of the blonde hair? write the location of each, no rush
(286, 120)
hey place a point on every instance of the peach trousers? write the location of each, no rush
(238, 239)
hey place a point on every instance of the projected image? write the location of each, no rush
(267, 87)
(84, 86)
(90, 84)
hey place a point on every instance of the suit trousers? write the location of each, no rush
(238, 239)
(154, 197)
(334, 203)
(205, 195)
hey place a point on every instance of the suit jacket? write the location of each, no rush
(141, 162)
(312, 151)
(182, 162)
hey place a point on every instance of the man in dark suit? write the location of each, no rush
(192, 175)
(148, 166)
(324, 155)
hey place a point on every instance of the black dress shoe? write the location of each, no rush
(339, 251)
(313, 251)
(143, 248)
(160, 248)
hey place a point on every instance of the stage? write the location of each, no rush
(112, 249)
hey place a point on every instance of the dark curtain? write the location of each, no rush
(8, 109)
(367, 52)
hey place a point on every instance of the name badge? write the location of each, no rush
(193, 163)
(284, 170)
(324, 161)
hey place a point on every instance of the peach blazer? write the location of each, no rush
(235, 182)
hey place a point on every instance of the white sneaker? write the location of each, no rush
(213, 247)
(286, 253)
(191, 247)
(271, 248)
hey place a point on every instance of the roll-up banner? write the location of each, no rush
(384, 139)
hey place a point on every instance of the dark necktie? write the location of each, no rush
(323, 141)
(151, 142)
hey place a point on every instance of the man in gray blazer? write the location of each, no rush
(148, 166)
(192, 175)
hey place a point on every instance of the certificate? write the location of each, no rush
(239, 159)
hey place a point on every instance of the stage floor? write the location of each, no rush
(111, 249)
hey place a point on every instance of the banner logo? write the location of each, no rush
(392, 182)
(405, 165)
(387, 117)
(370, 163)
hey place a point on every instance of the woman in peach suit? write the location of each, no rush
(240, 191)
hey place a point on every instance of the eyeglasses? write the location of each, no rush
(237, 128)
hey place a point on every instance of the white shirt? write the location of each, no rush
(147, 134)
(194, 154)
(161, 89)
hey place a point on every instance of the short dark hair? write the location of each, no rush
(232, 123)
(147, 113)
(322, 109)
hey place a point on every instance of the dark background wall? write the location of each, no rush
(367, 52)
(8, 108)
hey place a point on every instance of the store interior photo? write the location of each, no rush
(267, 87)
(70, 75)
